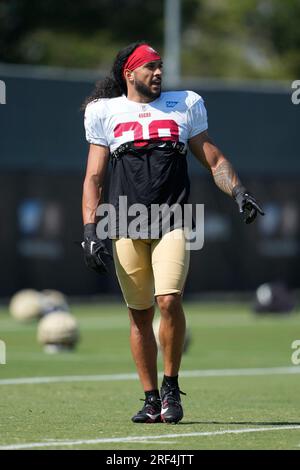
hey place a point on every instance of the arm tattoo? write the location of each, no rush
(225, 177)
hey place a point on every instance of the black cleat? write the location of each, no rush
(171, 410)
(150, 413)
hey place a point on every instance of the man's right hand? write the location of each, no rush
(94, 250)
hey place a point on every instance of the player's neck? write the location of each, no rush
(138, 98)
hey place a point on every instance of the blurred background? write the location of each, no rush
(241, 57)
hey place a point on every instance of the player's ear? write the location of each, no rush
(129, 75)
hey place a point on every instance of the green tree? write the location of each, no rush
(221, 38)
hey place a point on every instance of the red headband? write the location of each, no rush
(140, 56)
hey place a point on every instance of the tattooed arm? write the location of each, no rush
(212, 158)
(224, 175)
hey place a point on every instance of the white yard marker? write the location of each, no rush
(142, 439)
(133, 376)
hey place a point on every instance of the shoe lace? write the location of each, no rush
(150, 404)
(172, 393)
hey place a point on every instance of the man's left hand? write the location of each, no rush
(247, 204)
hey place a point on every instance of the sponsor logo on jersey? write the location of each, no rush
(171, 104)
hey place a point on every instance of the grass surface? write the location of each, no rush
(224, 336)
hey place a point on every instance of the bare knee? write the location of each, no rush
(168, 303)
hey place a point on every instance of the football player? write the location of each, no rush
(144, 133)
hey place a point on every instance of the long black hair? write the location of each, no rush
(115, 84)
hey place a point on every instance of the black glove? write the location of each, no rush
(94, 250)
(247, 203)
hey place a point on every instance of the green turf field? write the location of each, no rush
(247, 399)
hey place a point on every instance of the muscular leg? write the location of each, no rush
(171, 332)
(170, 263)
(143, 346)
(134, 271)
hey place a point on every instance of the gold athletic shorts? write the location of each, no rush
(147, 268)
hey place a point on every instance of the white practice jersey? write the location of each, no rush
(175, 115)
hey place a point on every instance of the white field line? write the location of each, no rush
(133, 376)
(143, 439)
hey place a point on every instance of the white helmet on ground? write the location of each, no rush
(26, 305)
(53, 300)
(58, 331)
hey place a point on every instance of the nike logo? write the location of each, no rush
(164, 410)
(153, 416)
